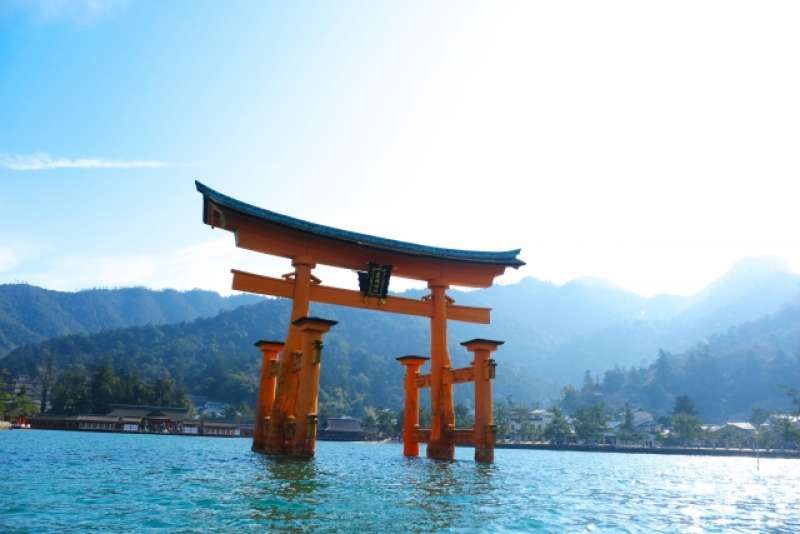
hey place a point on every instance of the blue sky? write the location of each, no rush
(652, 146)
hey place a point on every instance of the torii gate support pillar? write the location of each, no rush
(411, 409)
(442, 445)
(484, 371)
(266, 390)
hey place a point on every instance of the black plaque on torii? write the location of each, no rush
(374, 282)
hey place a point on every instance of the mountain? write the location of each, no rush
(750, 290)
(753, 288)
(553, 334)
(215, 357)
(726, 376)
(29, 314)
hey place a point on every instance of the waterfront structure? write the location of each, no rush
(342, 429)
(286, 416)
(140, 419)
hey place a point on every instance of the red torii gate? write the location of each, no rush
(286, 412)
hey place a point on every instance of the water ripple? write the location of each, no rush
(63, 481)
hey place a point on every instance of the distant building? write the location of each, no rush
(151, 418)
(643, 425)
(643, 421)
(342, 429)
(539, 419)
(528, 424)
(742, 426)
(145, 419)
(731, 434)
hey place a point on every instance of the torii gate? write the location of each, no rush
(286, 412)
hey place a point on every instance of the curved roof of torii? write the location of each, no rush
(506, 258)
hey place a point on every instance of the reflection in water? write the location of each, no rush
(445, 493)
(284, 489)
(437, 485)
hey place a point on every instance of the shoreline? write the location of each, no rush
(669, 451)
(136, 433)
(688, 451)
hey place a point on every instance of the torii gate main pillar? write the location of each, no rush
(442, 443)
(278, 439)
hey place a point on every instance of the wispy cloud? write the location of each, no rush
(46, 162)
(81, 11)
(203, 265)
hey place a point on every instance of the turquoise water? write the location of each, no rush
(71, 481)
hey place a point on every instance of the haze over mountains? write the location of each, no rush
(553, 333)
(29, 314)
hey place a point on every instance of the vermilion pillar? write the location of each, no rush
(282, 426)
(305, 415)
(266, 390)
(443, 420)
(484, 366)
(411, 409)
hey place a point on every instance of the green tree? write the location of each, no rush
(613, 380)
(570, 398)
(502, 418)
(627, 423)
(386, 420)
(794, 395)
(47, 375)
(758, 416)
(5, 395)
(463, 417)
(370, 419)
(590, 423)
(21, 405)
(684, 405)
(424, 417)
(557, 430)
(103, 388)
(71, 393)
(627, 432)
(588, 382)
(686, 427)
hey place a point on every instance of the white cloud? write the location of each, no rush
(8, 258)
(204, 265)
(44, 162)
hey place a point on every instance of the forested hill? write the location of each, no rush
(29, 314)
(215, 357)
(747, 367)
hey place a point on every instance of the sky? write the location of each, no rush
(651, 145)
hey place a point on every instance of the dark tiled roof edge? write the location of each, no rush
(507, 258)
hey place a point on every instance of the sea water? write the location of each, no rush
(78, 481)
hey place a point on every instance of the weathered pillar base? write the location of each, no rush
(266, 391)
(441, 450)
(484, 448)
(303, 441)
